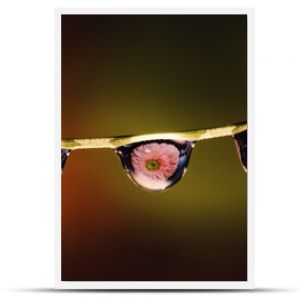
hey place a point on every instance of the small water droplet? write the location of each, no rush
(241, 145)
(64, 155)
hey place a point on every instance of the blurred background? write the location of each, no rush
(136, 74)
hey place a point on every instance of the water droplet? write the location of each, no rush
(156, 165)
(64, 155)
(241, 145)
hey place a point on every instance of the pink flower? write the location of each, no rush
(156, 162)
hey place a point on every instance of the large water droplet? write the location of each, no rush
(156, 165)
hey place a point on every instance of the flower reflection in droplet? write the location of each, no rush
(155, 161)
(156, 165)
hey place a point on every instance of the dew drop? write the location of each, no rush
(155, 165)
(64, 155)
(241, 146)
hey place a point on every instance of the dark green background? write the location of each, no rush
(127, 74)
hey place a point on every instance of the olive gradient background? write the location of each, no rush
(136, 74)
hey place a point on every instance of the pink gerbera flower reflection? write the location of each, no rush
(155, 161)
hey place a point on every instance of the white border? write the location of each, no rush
(174, 285)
